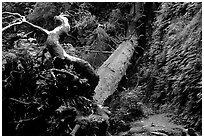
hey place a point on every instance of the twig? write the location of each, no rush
(138, 79)
(139, 26)
(28, 33)
(110, 45)
(116, 43)
(5, 28)
(129, 37)
(23, 20)
(19, 101)
(95, 51)
(47, 79)
(75, 129)
(7, 17)
(22, 102)
(53, 75)
(24, 120)
(70, 75)
(11, 13)
(84, 47)
(38, 27)
(84, 98)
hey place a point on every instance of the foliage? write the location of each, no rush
(43, 14)
(94, 33)
(101, 9)
(24, 8)
(126, 107)
(171, 69)
(168, 76)
(36, 94)
(84, 18)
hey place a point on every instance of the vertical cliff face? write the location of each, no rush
(168, 75)
(171, 67)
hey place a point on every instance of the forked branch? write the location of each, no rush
(21, 20)
(55, 48)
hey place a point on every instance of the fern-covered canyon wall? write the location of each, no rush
(161, 74)
(170, 72)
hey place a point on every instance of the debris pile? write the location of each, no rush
(39, 99)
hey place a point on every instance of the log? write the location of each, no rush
(114, 68)
(112, 71)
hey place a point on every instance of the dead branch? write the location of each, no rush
(11, 25)
(56, 50)
(11, 13)
(95, 51)
(36, 27)
(68, 74)
(100, 113)
(18, 101)
(75, 129)
(23, 20)
(24, 120)
(22, 102)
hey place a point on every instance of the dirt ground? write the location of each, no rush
(155, 125)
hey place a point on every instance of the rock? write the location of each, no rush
(137, 130)
(123, 133)
(137, 124)
(158, 134)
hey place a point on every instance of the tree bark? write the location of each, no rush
(112, 71)
(114, 68)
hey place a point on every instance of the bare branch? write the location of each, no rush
(18, 101)
(24, 120)
(75, 129)
(37, 27)
(56, 50)
(23, 20)
(64, 27)
(12, 13)
(3, 18)
(11, 25)
(95, 51)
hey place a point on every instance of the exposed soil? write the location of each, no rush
(155, 125)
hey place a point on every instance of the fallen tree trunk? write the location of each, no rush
(112, 71)
(114, 68)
